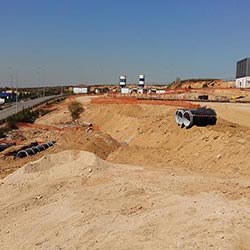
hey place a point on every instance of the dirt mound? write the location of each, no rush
(65, 163)
(150, 136)
(74, 200)
(97, 142)
(191, 193)
(202, 83)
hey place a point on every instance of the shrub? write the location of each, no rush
(75, 108)
(27, 115)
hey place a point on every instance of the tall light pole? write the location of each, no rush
(43, 84)
(11, 77)
(16, 90)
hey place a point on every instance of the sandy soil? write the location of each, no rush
(74, 200)
(233, 112)
(179, 189)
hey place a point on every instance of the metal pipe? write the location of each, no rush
(40, 147)
(22, 154)
(46, 146)
(30, 151)
(50, 143)
(35, 149)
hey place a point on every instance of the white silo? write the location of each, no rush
(123, 80)
(141, 81)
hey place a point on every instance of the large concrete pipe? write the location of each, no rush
(179, 116)
(199, 117)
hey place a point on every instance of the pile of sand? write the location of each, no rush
(74, 200)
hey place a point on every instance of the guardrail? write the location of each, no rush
(20, 106)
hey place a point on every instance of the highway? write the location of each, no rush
(19, 106)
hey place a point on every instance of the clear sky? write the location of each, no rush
(95, 41)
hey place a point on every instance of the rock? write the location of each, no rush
(242, 141)
(90, 170)
(218, 157)
(39, 197)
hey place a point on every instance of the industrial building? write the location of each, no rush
(81, 90)
(243, 73)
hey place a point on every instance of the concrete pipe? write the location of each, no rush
(179, 116)
(22, 154)
(87, 124)
(199, 117)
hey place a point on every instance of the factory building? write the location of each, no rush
(243, 73)
(81, 90)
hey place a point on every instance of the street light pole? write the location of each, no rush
(43, 83)
(16, 91)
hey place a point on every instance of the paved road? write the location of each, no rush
(23, 105)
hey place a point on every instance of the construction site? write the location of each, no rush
(127, 175)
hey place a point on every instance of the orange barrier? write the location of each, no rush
(133, 100)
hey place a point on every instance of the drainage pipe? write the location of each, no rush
(179, 116)
(22, 154)
(3, 146)
(30, 151)
(35, 149)
(199, 117)
(46, 146)
(40, 147)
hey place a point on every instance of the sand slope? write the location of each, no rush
(75, 200)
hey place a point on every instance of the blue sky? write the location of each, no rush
(95, 41)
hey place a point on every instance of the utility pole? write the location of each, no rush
(16, 90)
(43, 84)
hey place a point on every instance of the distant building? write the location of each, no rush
(8, 97)
(81, 90)
(141, 83)
(243, 73)
(123, 81)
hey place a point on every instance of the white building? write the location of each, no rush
(80, 90)
(123, 81)
(243, 73)
(141, 83)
